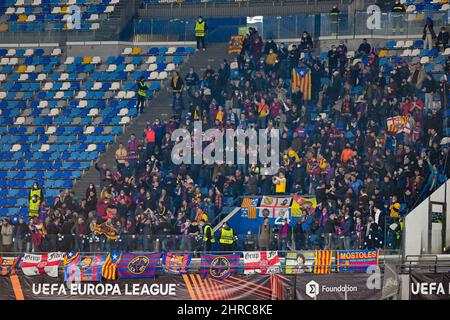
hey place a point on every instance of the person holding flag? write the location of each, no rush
(142, 94)
(200, 32)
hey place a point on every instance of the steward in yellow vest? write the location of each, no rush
(208, 235)
(34, 207)
(226, 238)
(200, 33)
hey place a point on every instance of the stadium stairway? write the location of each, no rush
(158, 107)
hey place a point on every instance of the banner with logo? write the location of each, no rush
(47, 263)
(398, 124)
(219, 267)
(295, 263)
(339, 286)
(163, 287)
(302, 204)
(429, 286)
(8, 265)
(356, 260)
(263, 262)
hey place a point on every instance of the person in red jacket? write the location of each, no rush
(150, 138)
(123, 196)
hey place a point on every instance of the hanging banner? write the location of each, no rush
(339, 286)
(235, 44)
(162, 287)
(398, 124)
(356, 260)
(429, 286)
(263, 262)
(295, 263)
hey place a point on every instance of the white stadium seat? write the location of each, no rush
(162, 75)
(153, 75)
(91, 147)
(28, 53)
(151, 59)
(127, 51)
(44, 148)
(69, 60)
(115, 86)
(50, 130)
(56, 52)
(19, 121)
(89, 130)
(125, 120)
(93, 112)
(54, 111)
(16, 147)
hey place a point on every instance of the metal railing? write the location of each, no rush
(349, 26)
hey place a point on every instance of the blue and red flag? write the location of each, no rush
(85, 268)
(219, 267)
(138, 265)
(176, 263)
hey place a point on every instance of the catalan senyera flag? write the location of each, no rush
(70, 256)
(322, 262)
(109, 269)
(250, 206)
(106, 230)
(301, 79)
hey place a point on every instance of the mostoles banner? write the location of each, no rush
(429, 286)
(341, 286)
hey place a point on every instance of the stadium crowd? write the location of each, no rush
(335, 147)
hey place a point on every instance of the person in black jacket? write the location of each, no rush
(348, 231)
(333, 59)
(364, 48)
(328, 230)
(429, 87)
(19, 230)
(442, 38)
(306, 41)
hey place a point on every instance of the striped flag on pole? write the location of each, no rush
(322, 262)
(301, 79)
(109, 269)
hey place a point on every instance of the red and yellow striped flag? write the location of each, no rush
(251, 205)
(109, 269)
(322, 262)
(301, 79)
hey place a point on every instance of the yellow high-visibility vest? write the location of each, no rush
(34, 208)
(200, 29)
(212, 234)
(141, 89)
(37, 192)
(226, 236)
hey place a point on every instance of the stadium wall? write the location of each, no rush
(416, 235)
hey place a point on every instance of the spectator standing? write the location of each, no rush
(7, 236)
(334, 15)
(442, 38)
(141, 94)
(428, 34)
(397, 12)
(121, 157)
(264, 235)
(200, 33)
